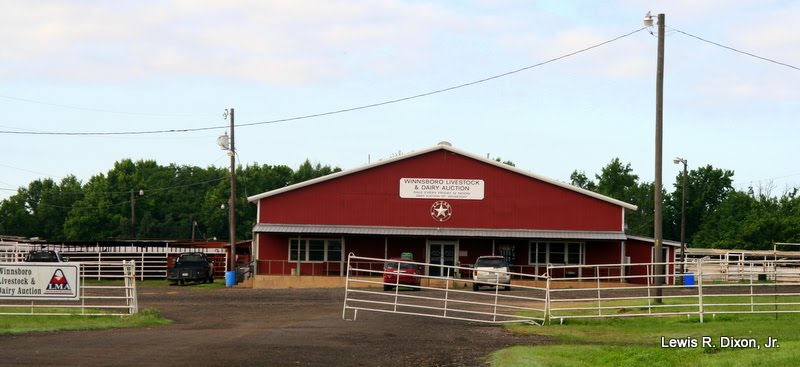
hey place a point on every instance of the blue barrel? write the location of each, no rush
(688, 279)
(230, 278)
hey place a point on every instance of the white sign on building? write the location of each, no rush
(39, 281)
(441, 188)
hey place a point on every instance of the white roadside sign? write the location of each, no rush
(441, 188)
(39, 281)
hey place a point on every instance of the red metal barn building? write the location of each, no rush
(446, 207)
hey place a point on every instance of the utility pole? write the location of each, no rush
(133, 212)
(658, 235)
(232, 201)
(133, 216)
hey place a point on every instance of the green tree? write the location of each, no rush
(40, 209)
(251, 180)
(640, 221)
(170, 201)
(508, 162)
(707, 187)
(579, 179)
(617, 180)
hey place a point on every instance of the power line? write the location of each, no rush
(498, 76)
(770, 179)
(736, 50)
(303, 117)
(158, 189)
(99, 133)
(123, 192)
(101, 110)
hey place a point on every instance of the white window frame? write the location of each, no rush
(568, 246)
(307, 246)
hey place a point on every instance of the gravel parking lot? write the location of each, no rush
(264, 327)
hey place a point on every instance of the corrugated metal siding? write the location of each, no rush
(371, 198)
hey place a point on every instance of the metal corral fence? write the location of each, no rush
(110, 296)
(443, 297)
(104, 261)
(711, 288)
(580, 291)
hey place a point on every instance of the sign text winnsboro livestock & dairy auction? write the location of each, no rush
(441, 188)
(39, 281)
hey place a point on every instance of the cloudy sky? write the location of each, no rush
(95, 66)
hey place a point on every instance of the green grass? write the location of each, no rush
(637, 342)
(711, 304)
(26, 324)
(218, 283)
(634, 356)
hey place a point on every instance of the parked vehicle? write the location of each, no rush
(191, 267)
(45, 256)
(408, 274)
(491, 271)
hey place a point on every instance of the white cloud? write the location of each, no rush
(724, 88)
(269, 41)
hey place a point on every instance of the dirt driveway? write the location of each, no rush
(264, 327)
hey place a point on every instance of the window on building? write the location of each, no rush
(542, 253)
(315, 250)
(334, 250)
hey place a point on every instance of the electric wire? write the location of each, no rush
(736, 50)
(146, 190)
(102, 110)
(125, 192)
(351, 109)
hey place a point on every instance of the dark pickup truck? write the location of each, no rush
(191, 267)
(45, 256)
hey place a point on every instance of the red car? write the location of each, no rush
(408, 273)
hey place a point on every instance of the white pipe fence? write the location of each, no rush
(445, 297)
(109, 296)
(103, 262)
(578, 291)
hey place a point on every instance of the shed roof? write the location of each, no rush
(449, 148)
(653, 241)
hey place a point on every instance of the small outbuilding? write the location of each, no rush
(446, 207)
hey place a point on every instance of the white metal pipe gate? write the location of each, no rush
(578, 291)
(448, 297)
(109, 296)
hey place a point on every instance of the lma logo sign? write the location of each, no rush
(58, 284)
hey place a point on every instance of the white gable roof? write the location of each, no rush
(449, 148)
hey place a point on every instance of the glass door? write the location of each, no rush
(441, 253)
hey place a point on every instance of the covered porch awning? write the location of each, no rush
(316, 229)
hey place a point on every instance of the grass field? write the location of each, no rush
(25, 324)
(645, 341)
(218, 283)
(16, 324)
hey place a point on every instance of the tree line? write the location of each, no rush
(717, 215)
(182, 202)
(173, 202)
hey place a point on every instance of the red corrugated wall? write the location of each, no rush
(640, 252)
(511, 201)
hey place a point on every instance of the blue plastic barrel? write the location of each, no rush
(230, 278)
(688, 279)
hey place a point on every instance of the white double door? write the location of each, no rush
(440, 255)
